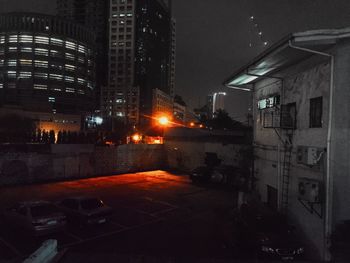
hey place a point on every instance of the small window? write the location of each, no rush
(316, 112)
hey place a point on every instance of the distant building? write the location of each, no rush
(218, 101)
(301, 97)
(179, 112)
(47, 64)
(210, 106)
(141, 58)
(162, 104)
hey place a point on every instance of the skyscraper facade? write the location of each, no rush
(218, 101)
(47, 64)
(94, 15)
(140, 45)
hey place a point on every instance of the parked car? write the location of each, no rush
(223, 174)
(85, 210)
(37, 217)
(268, 235)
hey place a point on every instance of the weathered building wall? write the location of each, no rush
(63, 162)
(301, 83)
(340, 148)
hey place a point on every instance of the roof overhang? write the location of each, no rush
(281, 55)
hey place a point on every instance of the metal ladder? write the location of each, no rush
(285, 176)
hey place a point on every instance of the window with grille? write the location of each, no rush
(316, 112)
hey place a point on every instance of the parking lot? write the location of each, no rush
(156, 214)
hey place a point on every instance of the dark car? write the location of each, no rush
(37, 217)
(223, 174)
(85, 210)
(268, 235)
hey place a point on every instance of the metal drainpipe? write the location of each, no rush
(329, 179)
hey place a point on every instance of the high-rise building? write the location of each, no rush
(140, 58)
(94, 15)
(218, 101)
(47, 64)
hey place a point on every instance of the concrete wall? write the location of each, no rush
(62, 162)
(301, 83)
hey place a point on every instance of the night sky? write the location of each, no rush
(213, 37)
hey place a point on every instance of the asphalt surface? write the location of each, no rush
(159, 217)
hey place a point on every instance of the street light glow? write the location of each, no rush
(163, 121)
(136, 137)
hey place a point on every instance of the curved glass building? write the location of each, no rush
(46, 64)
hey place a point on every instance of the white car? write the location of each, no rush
(37, 217)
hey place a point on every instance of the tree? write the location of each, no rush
(16, 129)
(222, 121)
(52, 138)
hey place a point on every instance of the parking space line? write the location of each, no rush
(155, 214)
(109, 234)
(11, 247)
(159, 202)
(117, 224)
(72, 235)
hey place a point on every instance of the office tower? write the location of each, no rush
(94, 15)
(140, 44)
(47, 64)
(218, 101)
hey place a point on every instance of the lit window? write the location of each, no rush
(1, 62)
(70, 67)
(90, 85)
(11, 74)
(40, 75)
(56, 41)
(24, 75)
(26, 50)
(12, 63)
(41, 40)
(1, 85)
(81, 91)
(2, 39)
(40, 87)
(119, 101)
(13, 38)
(71, 45)
(52, 99)
(121, 15)
(56, 76)
(70, 56)
(70, 90)
(68, 79)
(25, 62)
(81, 81)
(41, 64)
(12, 49)
(82, 49)
(41, 52)
(25, 39)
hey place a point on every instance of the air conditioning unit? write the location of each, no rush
(309, 190)
(309, 155)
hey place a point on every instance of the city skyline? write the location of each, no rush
(210, 46)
